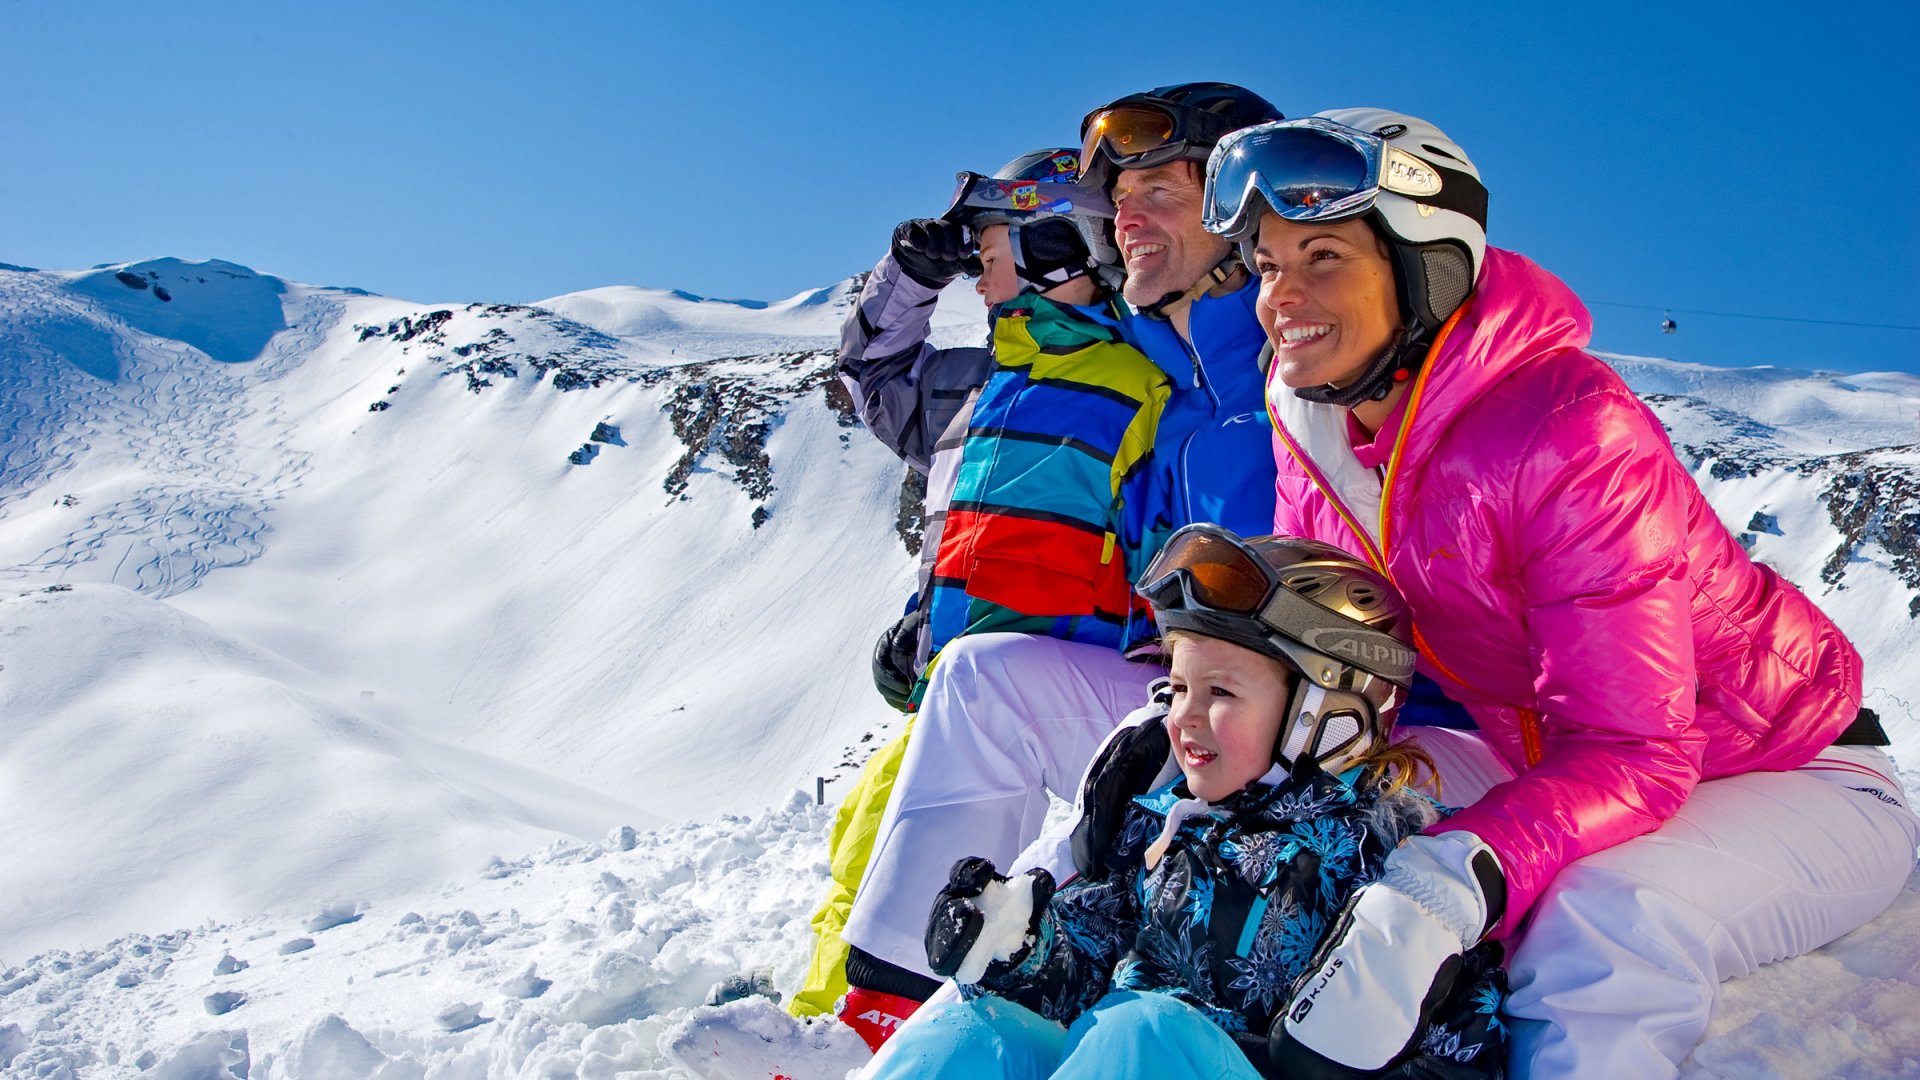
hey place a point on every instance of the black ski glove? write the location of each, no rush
(932, 251)
(961, 911)
(893, 654)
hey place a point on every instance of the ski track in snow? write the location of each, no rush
(177, 416)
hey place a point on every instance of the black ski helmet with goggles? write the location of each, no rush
(1337, 623)
(1056, 226)
(1181, 122)
(1415, 186)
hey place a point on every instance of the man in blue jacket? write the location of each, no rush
(1007, 718)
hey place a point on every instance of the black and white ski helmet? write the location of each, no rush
(1437, 251)
(1199, 115)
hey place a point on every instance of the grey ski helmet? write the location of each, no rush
(1057, 227)
(1334, 620)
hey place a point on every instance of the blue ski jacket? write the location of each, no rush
(1213, 449)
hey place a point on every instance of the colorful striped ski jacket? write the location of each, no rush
(906, 391)
(1047, 526)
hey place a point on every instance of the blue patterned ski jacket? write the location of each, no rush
(1229, 917)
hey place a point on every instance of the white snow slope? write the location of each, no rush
(311, 631)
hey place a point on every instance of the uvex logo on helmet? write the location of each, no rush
(1408, 175)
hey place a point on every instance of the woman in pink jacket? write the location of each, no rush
(1667, 805)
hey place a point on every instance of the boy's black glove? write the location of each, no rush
(932, 251)
(1125, 766)
(893, 655)
(974, 925)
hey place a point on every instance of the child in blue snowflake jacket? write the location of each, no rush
(1224, 830)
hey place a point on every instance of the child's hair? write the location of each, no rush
(1393, 766)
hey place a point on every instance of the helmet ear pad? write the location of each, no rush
(1048, 252)
(1432, 280)
(1324, 726)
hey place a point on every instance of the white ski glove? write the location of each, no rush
(1390, 957)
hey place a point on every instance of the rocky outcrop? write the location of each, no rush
(1872, 500)
(1871, 497)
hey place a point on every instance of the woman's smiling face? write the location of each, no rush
(1327, 300)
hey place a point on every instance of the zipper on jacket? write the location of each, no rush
(1530, 736)
(1200, 379)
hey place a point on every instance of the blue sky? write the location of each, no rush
(1753, 159)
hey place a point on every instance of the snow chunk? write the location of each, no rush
(616, 990)
(1008, 909)
(525, 985)
(755, 1037)
(735, 987)
(330, 1047)
(229, 964)
(297, 945)
(460, 1016)
(217, 1055)
(336, 914)
(224, 1002)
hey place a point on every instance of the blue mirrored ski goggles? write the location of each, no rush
(1306, 170)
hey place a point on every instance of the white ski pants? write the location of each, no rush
(1619, 969)
(1006, 718)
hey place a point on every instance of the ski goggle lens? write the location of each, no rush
(1128, 132)
(1220, 573)
(976, 192)
(1304, 171)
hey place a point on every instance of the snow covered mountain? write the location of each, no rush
(336, 618)
(483, 574)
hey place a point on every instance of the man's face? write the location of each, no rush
(1157, 223)
(999, 282)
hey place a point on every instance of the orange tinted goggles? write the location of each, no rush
(1127, 134)
(1220, 572)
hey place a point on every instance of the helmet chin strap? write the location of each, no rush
(1213, 278)
(1394, 365)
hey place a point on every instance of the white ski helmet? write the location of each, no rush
(1428, 237)
(1402, 174)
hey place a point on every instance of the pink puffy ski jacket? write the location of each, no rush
(1570, 584)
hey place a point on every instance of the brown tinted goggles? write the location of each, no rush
(1220, 572)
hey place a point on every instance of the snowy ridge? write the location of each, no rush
(319, 610)
(470, 525)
